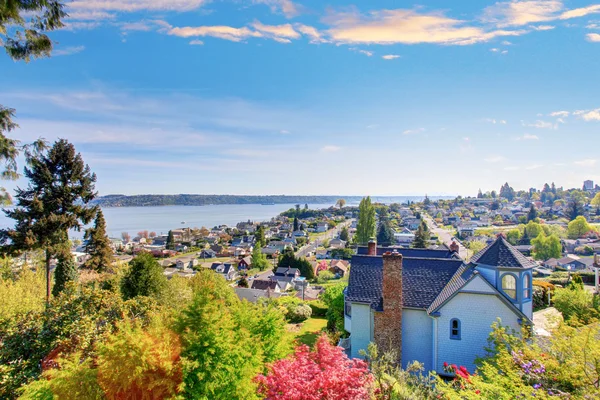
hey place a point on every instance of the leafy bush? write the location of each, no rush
(578, 306)
(298, 313)
(540, 293)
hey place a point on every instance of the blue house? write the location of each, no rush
(432, 307)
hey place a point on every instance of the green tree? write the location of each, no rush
(385, 235)
(170, 245)
(144, 277)
(366, 225)
(259, 260)
(513, 236)
(596, 202)
(65, 272)
(98, 245)
(507, 192)
(575, 209)
(296, 226)
(532, 214)
(334, 298)
(344, 234)
(288, 259)
(422, 236)
(578, 227)
(259, 236)
(61, 187)
(546, 247)
(533, 229)
(340, 203)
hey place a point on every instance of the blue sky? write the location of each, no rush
(319, 97)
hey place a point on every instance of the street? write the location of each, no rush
(445, 236)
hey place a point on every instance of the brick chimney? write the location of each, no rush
(372, 247)
(388, 324)
(454, 246)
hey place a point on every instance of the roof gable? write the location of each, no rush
(500, 253)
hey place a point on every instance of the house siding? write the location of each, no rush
(362, 332)
(478, 285)
(489, 273)
(476, 312)
(416, 338)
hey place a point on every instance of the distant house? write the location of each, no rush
(270, 251)
(291, 272)
(339, 267)
(187, 263)
(322, 254)
(252, 295)
(245, 263)
(337, 243)
(226, 270)
(263, 284)
(207, 253)
(322, 227)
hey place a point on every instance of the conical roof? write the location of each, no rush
(500, 253)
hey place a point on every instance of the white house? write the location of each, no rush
(434, 308)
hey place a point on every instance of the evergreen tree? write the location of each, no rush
(344, 234)
(422, 236)
(365, 228)
(98, 246)
(144, 278)
(532, 215)
(575, 209)
(289, 259)
(61, 187)
(65, 272)
(259, 236)
(427, 201)
(305, 206)
(507, 192)
(479, 194)
(295, 224)
(170, 245)
(385, 235)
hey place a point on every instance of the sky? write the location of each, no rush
(319, 97)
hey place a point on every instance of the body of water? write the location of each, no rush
(162, 219)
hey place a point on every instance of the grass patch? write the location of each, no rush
(310, 330)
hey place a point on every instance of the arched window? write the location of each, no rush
(455, 329)
(526, 286)
(509, 285)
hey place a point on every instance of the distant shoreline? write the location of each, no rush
(157, 200)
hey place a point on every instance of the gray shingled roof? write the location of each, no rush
(410, 252)
(460, 278)
(423, 279)
(500, 253)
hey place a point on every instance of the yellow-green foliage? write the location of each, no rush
(140, 363)
(577, 305)
(563, 366)
(23, 294)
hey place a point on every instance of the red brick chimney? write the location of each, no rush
(388, 324)
(372, 247)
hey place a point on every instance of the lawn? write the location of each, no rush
(308, 331)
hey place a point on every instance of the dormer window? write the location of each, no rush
(509, 285)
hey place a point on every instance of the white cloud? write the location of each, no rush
(494, 50)
(390, 56)
(562, 114)
(361, 51)
(285, 7)
(276, 31)
(528, 136)
(581, 12)
(506, 43)
(408, 27)
(90, 15)
(533, 166)
(330, 149)
(504, 52)
(196, 42)
(518, 13)
(311, 32)
(494, 159)
(543, 27)
(413, 131)
(586, 163)
(539, 124)
(593, 115)
(593, 37)
(284, 132)
(67, 51)
(495, 121)
(217, 31)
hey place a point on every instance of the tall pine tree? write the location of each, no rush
(65, 272)
(61, 186)
(385, 235)
(170, 245)
(98, 245)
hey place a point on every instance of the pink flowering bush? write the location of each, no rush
(323, 374)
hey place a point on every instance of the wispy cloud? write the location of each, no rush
(528, 136)
(525, 12)
(390, 56)
(330, 149)
(494, 159)
(196, 42)
(593, 115)
(408, 27)
(586, 163)
(495, 121)
(280, 33)
(533, 166)
(136, 5)
(361, 51)
(539, 124)
(285, 7)
(561, 114)
(67, 51)
(413, 131)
